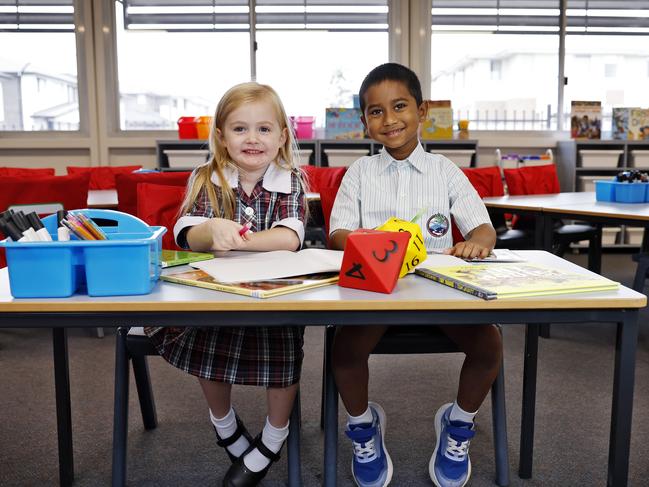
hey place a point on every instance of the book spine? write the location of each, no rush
(455, 284)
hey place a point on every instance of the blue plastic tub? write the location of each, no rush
(127, 263)
(621, 192)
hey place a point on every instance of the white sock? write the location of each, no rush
(226, 427)
(366, 417)
(273, 438)
(459, 414)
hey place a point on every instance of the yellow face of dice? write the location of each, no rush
(416, 252)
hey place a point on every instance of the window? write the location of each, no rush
(606, 54)
(497, 61)
(316, 55)
(35, 85)
(200, 50)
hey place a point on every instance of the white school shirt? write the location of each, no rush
(378, 187)
(276, 180)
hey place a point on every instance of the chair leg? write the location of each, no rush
(641, 273)
(120, 414)
(499, 423)
(294, 462)
(145, 392)
(100, 332)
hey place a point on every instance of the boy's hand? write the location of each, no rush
(226, 234)
(468, 250)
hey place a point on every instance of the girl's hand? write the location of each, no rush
(225, 234)
(469, 250)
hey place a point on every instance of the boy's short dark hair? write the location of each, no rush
(392, 72)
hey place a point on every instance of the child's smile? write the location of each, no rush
(392, 117)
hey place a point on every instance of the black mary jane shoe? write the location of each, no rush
(225, 443)
(238, 475)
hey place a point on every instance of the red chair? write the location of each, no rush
(26, 172)
(544, 180)
(487, 181)
(102, 177)
(319, 180)
(158, 204)
(126, 185)
(71, 192)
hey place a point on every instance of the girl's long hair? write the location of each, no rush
(287, 155)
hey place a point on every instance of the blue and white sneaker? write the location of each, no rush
(371, 464)
(450, 465)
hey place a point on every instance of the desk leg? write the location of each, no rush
(529, 401)
(619, 444)
(331, 417)
(294, 463)
(63, 408)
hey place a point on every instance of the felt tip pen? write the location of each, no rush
(10, 229)
(62, 232)
(38, 227)
(245, 229)
(25, 228)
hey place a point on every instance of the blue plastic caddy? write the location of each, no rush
(127, 263)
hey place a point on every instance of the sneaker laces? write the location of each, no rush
(457, 443)
(365, 451)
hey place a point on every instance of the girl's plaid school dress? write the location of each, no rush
(261, 356)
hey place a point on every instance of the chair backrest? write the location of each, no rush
(317, 178)
(71, 192)
(26, 172)
(126, 185)
(102, 177)
(158, 204)
(532, 180)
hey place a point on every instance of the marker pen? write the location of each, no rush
(245, 229)
(62, 232)
(21, 223)
(38, 227)
(9, 228)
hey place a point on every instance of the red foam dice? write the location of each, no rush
(373, 259)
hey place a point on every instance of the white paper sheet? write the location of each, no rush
(261, 266)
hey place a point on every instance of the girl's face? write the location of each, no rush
(252, 136)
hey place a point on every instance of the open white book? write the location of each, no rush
(261, 266)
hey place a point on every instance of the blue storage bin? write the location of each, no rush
(630, 192)
(605, 190)
(127, 263)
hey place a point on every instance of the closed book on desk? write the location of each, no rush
(515, 280)
(256, 289)
(170, 258)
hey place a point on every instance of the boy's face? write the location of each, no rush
(392, 117)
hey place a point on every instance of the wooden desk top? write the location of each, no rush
(581, 203)
(412, 293)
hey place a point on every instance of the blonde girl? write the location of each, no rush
(251, 179)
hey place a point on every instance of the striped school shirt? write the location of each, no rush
(378, 187)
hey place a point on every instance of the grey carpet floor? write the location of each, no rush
(573, 411)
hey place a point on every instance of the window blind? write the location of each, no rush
(541, 16)
(36, 16)
(233, 15)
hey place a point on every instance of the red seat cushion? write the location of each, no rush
(327, 198)
(317, 178)
(126, 185)
(158, 204)
(102, 177)
(26, 172)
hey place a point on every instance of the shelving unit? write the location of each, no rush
(581, 162)
(321, 151)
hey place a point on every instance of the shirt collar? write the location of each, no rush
(416, 158)
(276, 179)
